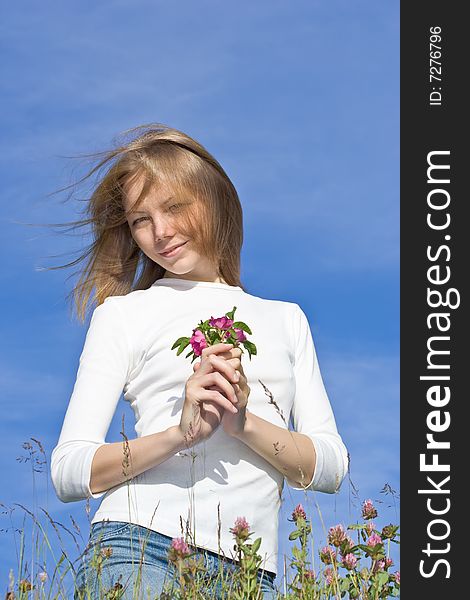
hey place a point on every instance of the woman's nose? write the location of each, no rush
(162, 228)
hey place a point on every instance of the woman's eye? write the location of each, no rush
(172, 208)
(139, 219)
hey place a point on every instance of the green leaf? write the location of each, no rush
(179, 341)
(294, 535)
(296, 552)
(256, 544)
(344, 584)
(182, 346)
(231, 313)
(249, 346)
(382, 578)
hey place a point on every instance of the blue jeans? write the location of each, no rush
(127, 561)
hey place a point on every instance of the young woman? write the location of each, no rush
(212, 439)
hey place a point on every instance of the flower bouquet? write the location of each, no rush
(213, 331)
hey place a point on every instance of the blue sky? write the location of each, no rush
(300, 104)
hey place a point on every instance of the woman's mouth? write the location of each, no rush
(173, 252)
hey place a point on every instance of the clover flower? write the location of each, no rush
(241, 529)
(349, 561)
(374, 539)
(299, 513)
(370, 527)
(336, 535)
(309, 574)
(368, 510)
(178, 549)
(327, 555)
(328, 572)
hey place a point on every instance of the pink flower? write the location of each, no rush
(241, 337)
(299, 513)
(241, 529)
(368, 510)
(328, 575)
(309, 574)
(336, 535)
(221, 322)
(327, 555)
(388, 563)
(370, 527)
(42, 576)
(374, 539)
(397, 577)
(349, 561)
(379, 566)
(178, 549)
(198, 341)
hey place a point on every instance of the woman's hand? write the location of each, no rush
(208, 395)
(229, 365)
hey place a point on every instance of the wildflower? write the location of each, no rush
(388, 563)
(397, 577)
(327, 555)
(241, 337)
(374, 539)
(221, 322)
(349, 561)
(178, 549)
(336, 535)
(328, 572)
(198, 342)
(379, 566)
(42, 576)
(309, 574)
(241, 529)
(370, 527)
(299, 513)
(389, 531)
(106, 552)
(368, 510)
(214, 330)
(25, 585)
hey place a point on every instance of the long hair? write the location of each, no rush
(212, 214)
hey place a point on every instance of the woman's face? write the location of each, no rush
(153, 225)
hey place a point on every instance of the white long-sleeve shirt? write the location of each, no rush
(128, 350)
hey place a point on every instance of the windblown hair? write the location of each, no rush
(211, 216)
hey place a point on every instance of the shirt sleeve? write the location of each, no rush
(312, 413)
(101, 376)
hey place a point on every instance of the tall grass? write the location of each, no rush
(351, 565)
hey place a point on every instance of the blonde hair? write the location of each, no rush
(212, 214)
